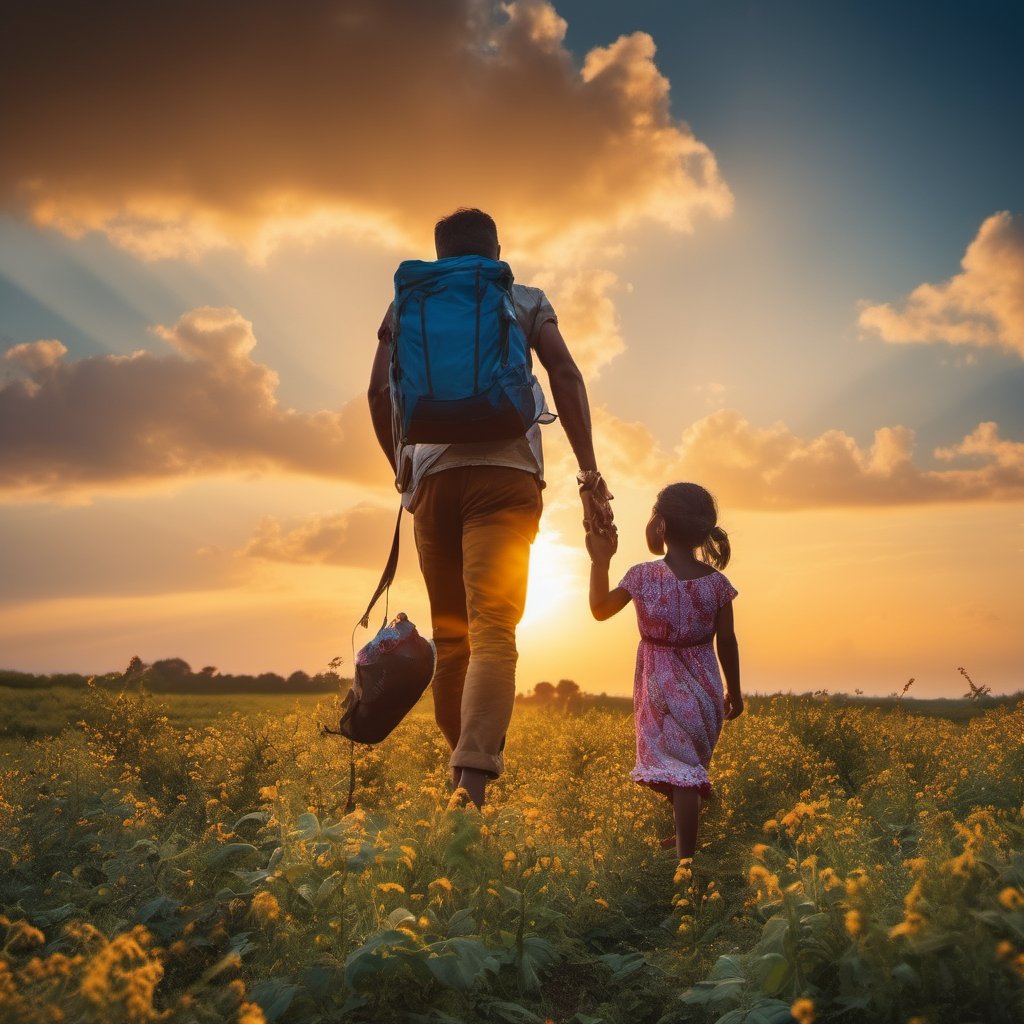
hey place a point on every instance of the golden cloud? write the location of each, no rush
(767, 468)
(983, 305)
(360, 536)
(587, 316)
(110, 422)
(174, 129)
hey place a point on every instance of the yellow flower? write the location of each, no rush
(265, 907)
(854, 923)
(601, 902)
(1011, 898)
(268, 793)
(250, 1013)
(441, 883)
(684, 871)
(390, 887)
(802, 1011)
(912, 924)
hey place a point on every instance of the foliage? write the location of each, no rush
(857, 864)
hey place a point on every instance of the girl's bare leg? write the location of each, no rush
(686, 811)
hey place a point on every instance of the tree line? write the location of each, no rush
(175, 675)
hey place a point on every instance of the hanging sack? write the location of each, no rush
(460, 364)
(392, 671)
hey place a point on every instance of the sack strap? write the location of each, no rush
(387, 577)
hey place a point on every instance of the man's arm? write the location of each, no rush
(379, 392)
(569, 394)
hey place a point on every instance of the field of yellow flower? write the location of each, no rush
(858, 865)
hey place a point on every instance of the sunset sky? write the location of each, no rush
(785, 242)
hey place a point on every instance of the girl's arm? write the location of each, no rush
(729, 656)
(603, 603)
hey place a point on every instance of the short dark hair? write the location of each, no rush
(466, 232)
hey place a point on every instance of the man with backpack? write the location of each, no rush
(456, 409)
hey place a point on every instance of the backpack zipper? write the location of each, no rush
(426, 345)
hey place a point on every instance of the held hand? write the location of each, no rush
(733, 706)
(601, 546)
(597, 509)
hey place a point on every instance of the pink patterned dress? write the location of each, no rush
(677, 690)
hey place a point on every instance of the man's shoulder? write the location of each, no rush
(528, 297)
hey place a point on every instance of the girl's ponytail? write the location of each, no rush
(716, 548)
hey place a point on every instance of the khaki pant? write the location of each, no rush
(474, 526)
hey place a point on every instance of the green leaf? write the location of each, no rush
(366, 964)
(307, 826)
(906, 974)
(727, 968)
(461, 923)
(159, 906)
(328, 887)
(460, 963)
(261, 816)
(582, 1018)
(399, 917)
(771, 971)
(732, 1017)
(512, 1013)
(274, 996)
(622, 965)
(219, 854)
(773, 937)
(45, 918)
(715, 995)
(769, 1011)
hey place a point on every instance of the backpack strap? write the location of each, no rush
(388, 576)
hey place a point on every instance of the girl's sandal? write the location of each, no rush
(668, 843)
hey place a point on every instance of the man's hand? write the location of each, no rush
(597, 510)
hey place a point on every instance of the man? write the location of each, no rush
(476, 509)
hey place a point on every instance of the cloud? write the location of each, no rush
(110, 422)
(770, 468)
(176, 128)
(587, 316)
(359, 537)
(983, 305)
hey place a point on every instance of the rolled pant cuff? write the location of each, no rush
(492, 763)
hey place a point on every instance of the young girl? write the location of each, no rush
(682, 603)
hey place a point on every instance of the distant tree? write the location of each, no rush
(209, 671)
(298, 679)
(543, 693)
(135, 667)
(271, 680)
(568, 693)
(172, 668)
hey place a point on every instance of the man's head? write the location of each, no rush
(466, 232)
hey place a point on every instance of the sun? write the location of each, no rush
(555, 578)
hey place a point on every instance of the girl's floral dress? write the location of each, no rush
(677, 689)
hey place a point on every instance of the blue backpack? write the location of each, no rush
(460, 363)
